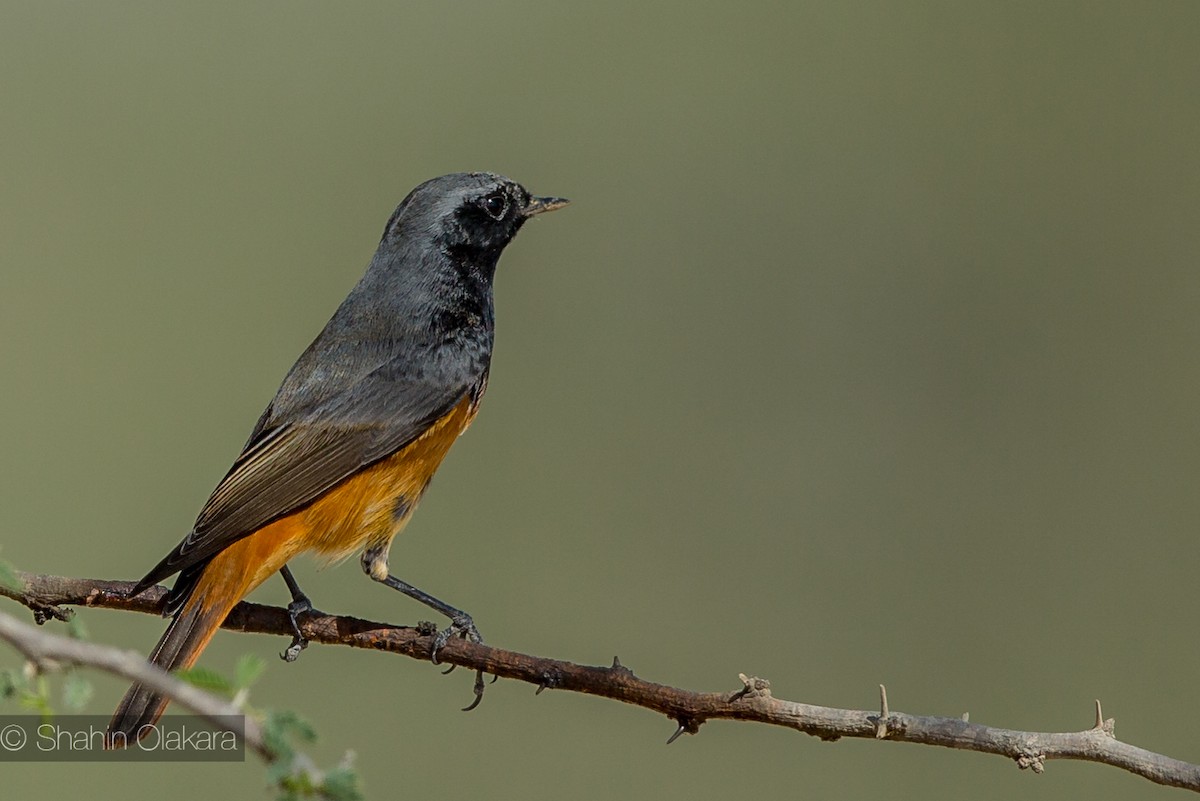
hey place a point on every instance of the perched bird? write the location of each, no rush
(340, 458)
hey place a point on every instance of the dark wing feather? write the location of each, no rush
(287, 467)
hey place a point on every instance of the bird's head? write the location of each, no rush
(466, 213)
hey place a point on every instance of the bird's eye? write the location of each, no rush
(495, 204)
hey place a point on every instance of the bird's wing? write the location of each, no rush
(287, 466)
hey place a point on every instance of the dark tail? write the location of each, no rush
(200, 600)
(186, 636)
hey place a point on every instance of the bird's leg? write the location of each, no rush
(300, 605)
(374, 564)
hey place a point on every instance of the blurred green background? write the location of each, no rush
(867, 353)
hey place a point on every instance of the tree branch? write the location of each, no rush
(44, 649)
(752, 702)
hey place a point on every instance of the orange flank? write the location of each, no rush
(364, 511)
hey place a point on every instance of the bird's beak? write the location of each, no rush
(538, 205)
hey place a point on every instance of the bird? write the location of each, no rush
(343, 453)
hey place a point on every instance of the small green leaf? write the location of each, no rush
(36, 697)
(8, 577)
(341, 784)
(77, 691)
(206, 679)
(248, 669)
(297, 726)
(75, 628)
(10, 683)
(279, 774)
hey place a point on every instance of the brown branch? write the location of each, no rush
(753, 702)
(47, 650)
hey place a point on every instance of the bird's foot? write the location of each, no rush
(461, 627)
(297, 608)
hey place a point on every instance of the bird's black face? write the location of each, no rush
(489, 218)
(468, 215)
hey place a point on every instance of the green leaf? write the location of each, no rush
(295, 786)
(280, 727)
(11, 683)
(279, 773)
(8, 577)
(293, 775)
(206, 679)
(248, 669)
(341, 784)
(77, 691)
(75, 628)
(36, 696)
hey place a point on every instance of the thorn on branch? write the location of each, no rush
(1106, 726)
(752, 687)
(688, 725)
(550, 680)
(617, 667)
(881, 724)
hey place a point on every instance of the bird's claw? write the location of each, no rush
(478, 689)
(461, 627)
(292, 652)
(299, 642)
